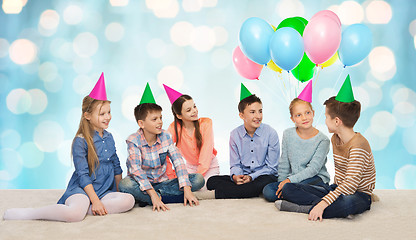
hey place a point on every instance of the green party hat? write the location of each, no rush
(345, 94)
(147, 96)
(244, 92)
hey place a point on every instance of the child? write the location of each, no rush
(355, 173)
(193, 136)
(93, 187)
(148, 150)
(304, 149)
(254, 153)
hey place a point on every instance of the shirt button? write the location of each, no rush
(252, 161)
(251, 150)
(108, 158)
(103, 141)
(251, 139)
(106, 150)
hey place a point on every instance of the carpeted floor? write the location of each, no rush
(393, 217)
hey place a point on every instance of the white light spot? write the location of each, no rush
(209, 3)
(180, 33)
(10, 164)
(48, 71)
(405, 177)
(174, 56)
(163, 8)
(39, 101)
(404, 112)
(203, 39)
(73, 118)
(48, 135)
(192, 5)
(4, 47)
(22, 51)
(362, 95)
(377, 143)
(220, 58)
(382, 63)
(82, 84)
(404, 95)
(376, 92)
(378, 12)
(66, 52)
(171, 76)
(12, 6)
(31, 155)
(49, 19)
(73, 14)
(128, 105)
(64, 153)
(383, 124)
(55, 85)
(290, 8)
(412, 28)
(119, 3)
(114, 32)
(409, 139)
(221, 36)
(10, 139)
(85, 44)
(156, 48)
(18, 101)
(82, 65)
(350, 12)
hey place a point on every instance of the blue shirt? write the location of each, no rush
(254, 156)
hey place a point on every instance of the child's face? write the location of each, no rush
(189, 111)
(252, 116)
(100, 117)
(330, 122)
(153, 123)
(302, 115)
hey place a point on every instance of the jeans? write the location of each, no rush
(168, 190)
(345, 205)
(269, 191)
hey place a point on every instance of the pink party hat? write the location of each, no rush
(306, 94)
(172, 94)
(98, 92)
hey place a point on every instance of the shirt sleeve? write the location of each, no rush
(180, 167)
(284, 166)
(315, 165)
(79, 156)
(169, 167)
(115, 160)
(207, 148)
(272, 157)
(235, 158)
(134, 164)
(353, 177)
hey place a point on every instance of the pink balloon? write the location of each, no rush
(328, 13)
(245, 67)
(322, 37)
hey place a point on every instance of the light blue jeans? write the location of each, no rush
(168, 190)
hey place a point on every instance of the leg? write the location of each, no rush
(117, 202)
(129, 185)
(74, 210)
(348, 205)
(269, 191)
(303, 194)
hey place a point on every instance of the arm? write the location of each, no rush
(134, 164)
(207, 148)
(117, 178)
(179, 164)
(97, 207)
(116, 164)
(235, 159)
(284, 166)
(272, 156)
(169, 167)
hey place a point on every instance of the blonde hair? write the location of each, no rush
(86, 130)
(296, 101)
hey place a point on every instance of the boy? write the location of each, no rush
(148, 149)
(254, 153)
(354, 167)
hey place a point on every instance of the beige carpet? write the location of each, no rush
(393, 217)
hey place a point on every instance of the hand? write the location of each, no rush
(156, 201)
(317, 211)
(238, 179)
(247, 179)
(188, 196)
(280, 187)
(97, 208)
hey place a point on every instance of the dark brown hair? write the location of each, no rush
(247, 101)
(141, 110)
(347, 112)
(177, 110)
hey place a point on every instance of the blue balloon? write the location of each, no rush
(254, 38)
(356, 44)
(286, 48)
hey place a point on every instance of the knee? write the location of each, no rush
(128, 202)
(74, 216)
(197, 181)
(269, 193)
(126, 185)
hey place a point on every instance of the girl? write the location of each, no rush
(194, 138)
(304, 150)
(93, 187)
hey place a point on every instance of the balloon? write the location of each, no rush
(274, 67)
(355, 45)
(286, 48)
(254, 38)
(302, 19)
(244, 66)
(328, 13)
(294, 23)
(330, 61)
(304, 71)
(322, 37)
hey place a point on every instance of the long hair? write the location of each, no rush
(86, 130)
(177, 110)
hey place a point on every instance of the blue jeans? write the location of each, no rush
(269, 191)
(168, 190)
(345, 205)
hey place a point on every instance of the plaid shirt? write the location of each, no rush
(147, 164)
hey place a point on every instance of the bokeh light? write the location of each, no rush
(82, 65)
(82, 84)
(4, 47)
(10, 138)
(382, 63)
(405, 114)
(73, 14)
(114, 32)
(156, 48)
(85, 44)
(180, 33)
(163, 8)
(405, 177)
(49, 19)
(192, 5)
(220, 58)
(221, 36)
(32, 157)
(290, 8)
(64, 153)
(350, 12)
(48, 136)
(48, 71)
(383, 124)
(412, 28)
(171, 76)
(11, 164)
(12, 6)
(18, 101)
(203, 39)
(119, 3)
(409, 139)
(22, 51)
(378, 12)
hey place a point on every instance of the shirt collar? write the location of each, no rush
(258, 131)
(97, 136)
(143, 140)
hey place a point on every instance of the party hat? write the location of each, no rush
(172, 94)
(345, 94)
(244, 92)
(147, 96)
(306, 94)
(98, 92)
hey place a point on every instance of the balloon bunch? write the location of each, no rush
(299, 46)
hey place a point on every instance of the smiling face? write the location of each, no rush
(189, 111)
(152, 124)
(252, 116)
(100, 117)
(302, 115)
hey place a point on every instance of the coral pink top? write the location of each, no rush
(189, 150)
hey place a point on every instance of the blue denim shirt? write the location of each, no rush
(254, 156)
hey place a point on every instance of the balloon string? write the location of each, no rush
(290, 85)
(315, 79)
(273, 92)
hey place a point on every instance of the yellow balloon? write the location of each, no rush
(274, 67)
(330, 61)
(274, 28)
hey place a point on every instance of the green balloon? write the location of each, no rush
(304, 70)
(294, 23)
(303, 20)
